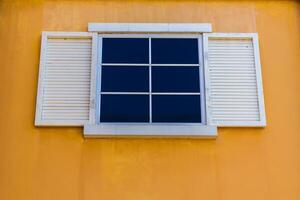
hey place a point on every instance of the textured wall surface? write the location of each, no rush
(57, 163)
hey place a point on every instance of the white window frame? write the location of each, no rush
(97, 129)
(150, 93)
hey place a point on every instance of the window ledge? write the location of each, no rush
(150, 130)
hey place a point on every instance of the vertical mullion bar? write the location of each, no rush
(98, 80)
(150, 82)
(201, 78)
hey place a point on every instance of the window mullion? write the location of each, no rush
(150, 83)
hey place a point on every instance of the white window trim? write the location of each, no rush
(95, 129)
(150, 27)
(261, 104)
(200, 65)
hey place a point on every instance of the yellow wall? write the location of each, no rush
(241, 164)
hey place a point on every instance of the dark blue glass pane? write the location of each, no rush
(176, 108)
(174, 51)
(125, 79)
(125, 50)
(175, 79)
(124, 108)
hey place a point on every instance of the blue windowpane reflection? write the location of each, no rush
(124, 108)
(125, 50)
(175, 79)
(176, 108)
(125, 79)
(174, 51)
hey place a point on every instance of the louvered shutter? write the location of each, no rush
(234, 93)
(64, 79)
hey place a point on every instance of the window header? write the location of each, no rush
(150, 27)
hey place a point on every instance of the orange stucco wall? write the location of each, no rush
(57, 163)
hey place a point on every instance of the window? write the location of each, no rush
(150, 79)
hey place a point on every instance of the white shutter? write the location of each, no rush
(234, 93)
(64, 79)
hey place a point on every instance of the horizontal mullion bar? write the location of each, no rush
(124, 64)
(153, 93)
(171, 65)
(136, 93)
(147, 64)
(175, 93)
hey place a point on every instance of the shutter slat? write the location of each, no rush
(64, 108)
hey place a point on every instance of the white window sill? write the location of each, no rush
(150, 130)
